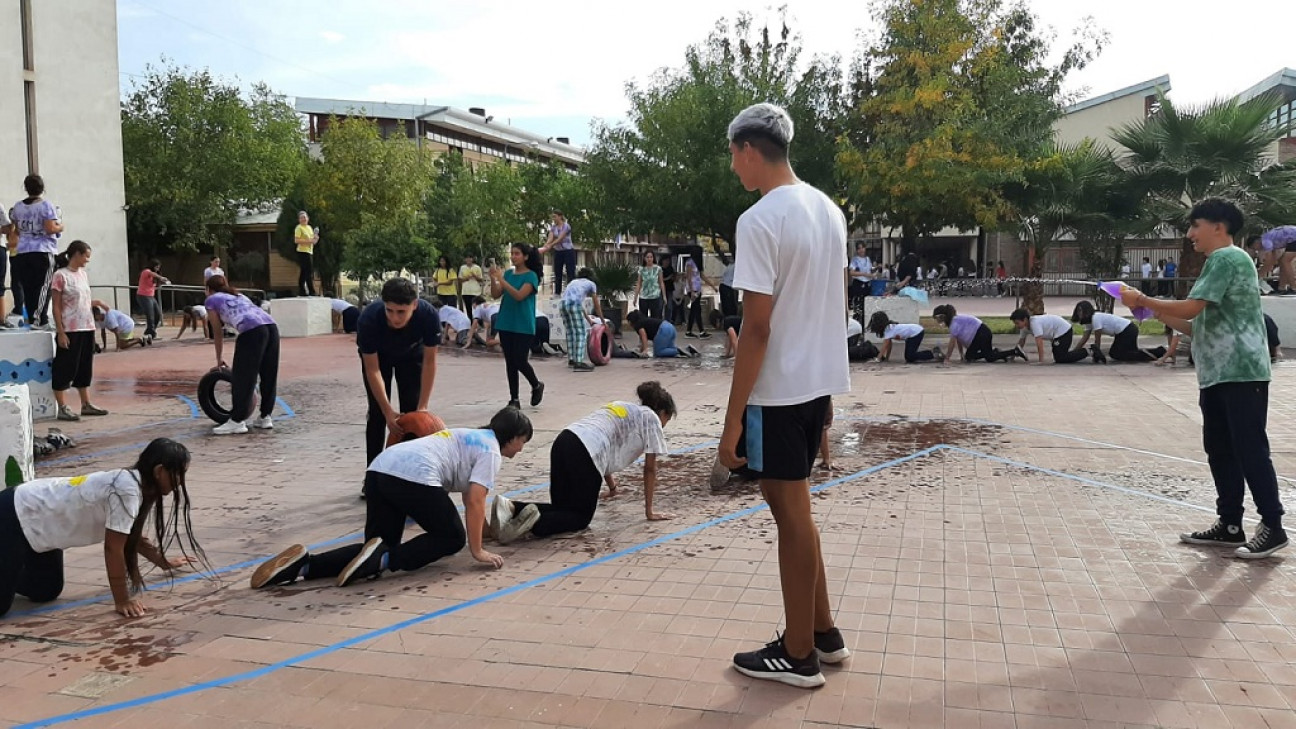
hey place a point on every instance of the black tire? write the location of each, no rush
(208, 400)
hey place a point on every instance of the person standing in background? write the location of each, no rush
(213, 269)
(668, 288)
(37, 223)
(305, 237)
(146, 296)
(5, 227)
(560, 242)
(74, 322)
(470, 284)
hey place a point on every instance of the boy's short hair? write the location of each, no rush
(1020, 315)
(1218, 210)
(399, 291)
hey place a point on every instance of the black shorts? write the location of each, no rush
(1291, 247)
(734, 323)
(781, 442)
(74, 366)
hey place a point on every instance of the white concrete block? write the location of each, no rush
(302, 316)
(557, 331)
(27, 358)
(16, 430)
(900, 309)
(1283, 311)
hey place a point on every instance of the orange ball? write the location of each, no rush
(417, 425)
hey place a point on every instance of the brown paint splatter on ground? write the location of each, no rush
(887, 439)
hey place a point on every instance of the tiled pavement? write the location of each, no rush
(1000, 545)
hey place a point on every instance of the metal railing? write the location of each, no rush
(167, 295)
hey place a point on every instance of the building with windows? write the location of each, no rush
(61, 118)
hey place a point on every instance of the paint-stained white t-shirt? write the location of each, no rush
(66, 512)
(455, 318)
(901, 331)
(451, 459)
(618, 433)
(1049, 326)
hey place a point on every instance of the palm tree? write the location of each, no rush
(1178, 157)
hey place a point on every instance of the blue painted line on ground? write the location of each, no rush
(450, 610)
(193, 406)
(284, 406)
(245, 564)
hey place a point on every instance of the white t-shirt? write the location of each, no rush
(793, 243)
(901, 331)
(727, 277)
(1125, 269)
(1146, 268)
(1107, 324)
(451, 459)
(853, 328)
(862, 263)
(199, 311)
(618, 433)
(340, 305)
(483, 312)
(66, 512)
(210, 271)
(455, 318)
(1049, 326)
(577, 290)
(117, 322)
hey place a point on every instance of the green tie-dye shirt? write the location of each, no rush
(1229, 342)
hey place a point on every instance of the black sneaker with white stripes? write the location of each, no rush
(1219, 535)
(831, 646)
(1266, 541)
(773, 663)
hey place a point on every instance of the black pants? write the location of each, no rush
(256, 354)
(1062, 352)
(574, 485)
(728, 300)
(409, 380)
(389, 501)
(349, 318)
(306, 279)
(1124, 347)
(912, 351)
(695, 314)
(74, 366)
(1234, 416)
(152, 312)
(981, 348)
(32, 272)
(564, 262)
(37, 576)
(1271, 334)
(466, 303)
(517, 353)
(651, 308)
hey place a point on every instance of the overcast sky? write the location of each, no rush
(552, 66)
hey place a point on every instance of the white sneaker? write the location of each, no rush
(501, 513)
(263, 422)
(515, 528)
(230, 427)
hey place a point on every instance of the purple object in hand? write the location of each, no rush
(1113, 289)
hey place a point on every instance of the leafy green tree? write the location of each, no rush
(948, 105)
(1178, 157)
(197, 150)
(667, 169)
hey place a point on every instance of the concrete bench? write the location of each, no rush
(899, 309)
(16, 430)
(302, 316)
(27, 358)
(1283, 311)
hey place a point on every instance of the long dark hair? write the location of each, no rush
(643, 259)
(508, 424)
(173, 457)
(443, 259)
(653, 396)
(531, 254)
(63, 259)
(878, 323)
(220, 285)
(944, 314)
(1083, 313)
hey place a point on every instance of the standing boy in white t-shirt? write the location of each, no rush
(791, 359)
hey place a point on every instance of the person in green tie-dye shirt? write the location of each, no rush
(1230, 347)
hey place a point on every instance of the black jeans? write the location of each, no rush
(574, 485)
(517, 353)
(1062, 352)
(1234, 416)
(563, 262)
(981, 348)
(651, 308)
(466, 303)
(695, 314)
(728, 300)
(306, 279)
(1124, 347)
(37, 576)
(256, 354)
(152, 312)
(389, 501)
(409, 380)
(33, 272)
(912, 351)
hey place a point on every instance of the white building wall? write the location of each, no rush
(78, 123)
(1097, 122)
